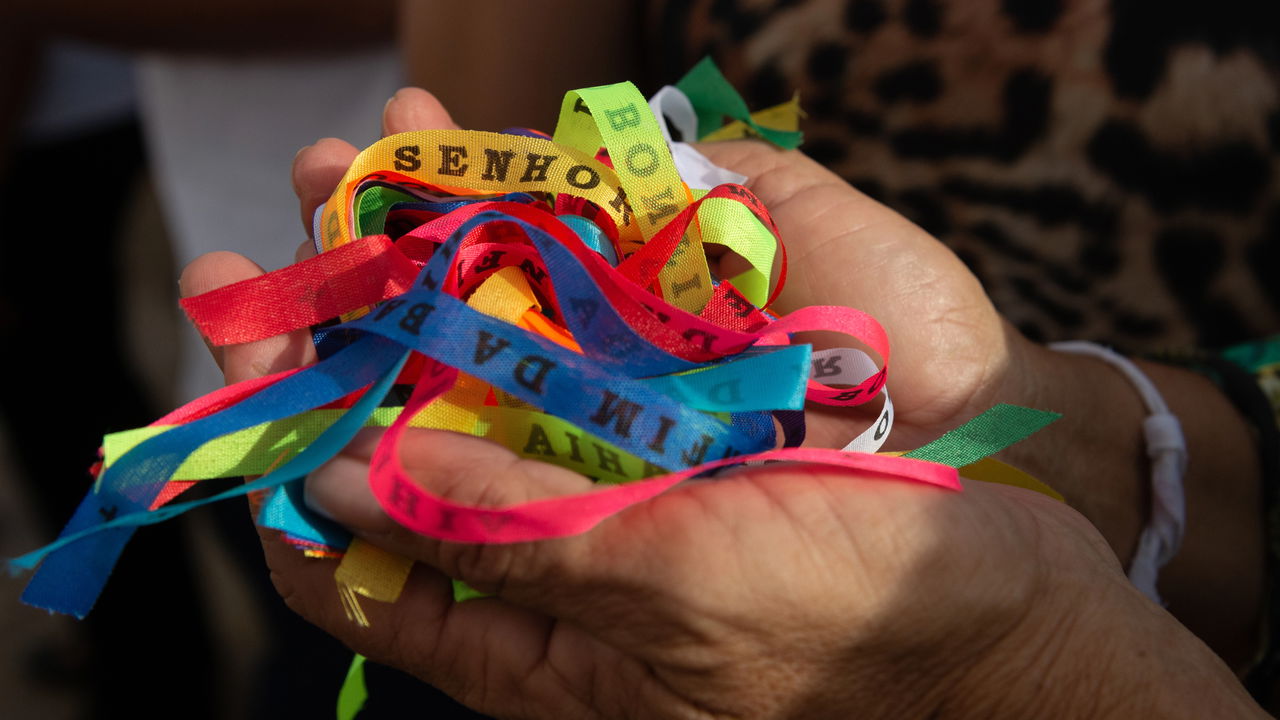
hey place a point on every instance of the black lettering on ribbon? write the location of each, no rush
(535, 169)
(877, 381)
(681, 287)
(535, 383)
(707, 338)
(490, 260)
(662, 317)
(538, 442)
(609, 460)
(681, 246)
(848, 395)
(404, 497)
(741, 306)
(573, 177)
(696, 453)
(826, 367)
(496, 164)
(451, 160)
(882, 426)
(580, 106)
(574, 452)
(620, 206)
(659, 442)
(445, 521)
(413, 317)
(621, 412)
(108, 513)
(460, 274)
(332, 229)
(660, 205)
(533, 272)
(486, 347)
(408, 158)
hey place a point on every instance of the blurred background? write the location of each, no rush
(135, 137)
(1110, 169)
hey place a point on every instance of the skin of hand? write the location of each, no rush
(792, 592)
(953, 356)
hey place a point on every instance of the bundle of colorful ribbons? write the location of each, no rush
(549, 294)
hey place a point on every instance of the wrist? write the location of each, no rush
(1095, 647)
(1096, 457)
(1215, 583)
(1087, 643)
(1096, 454)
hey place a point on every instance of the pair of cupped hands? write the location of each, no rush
(781, 591)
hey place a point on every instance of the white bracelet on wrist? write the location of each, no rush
(1167, 449)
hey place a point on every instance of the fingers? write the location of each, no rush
(511, 649)
(306, 250)
(847, 249)
(472, 471)
(248, 360)
(797, 190)
(488, 654)
(671, 549)
(414, 109)
(317, 170)
(462, 468)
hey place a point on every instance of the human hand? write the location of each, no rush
(744, 585)
(953, 357)
(780, 591)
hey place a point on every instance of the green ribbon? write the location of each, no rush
(353, 694)
(986, 434)
(713, 97)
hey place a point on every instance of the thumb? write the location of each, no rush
(833, 231)
(789, 183)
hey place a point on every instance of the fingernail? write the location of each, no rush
(293, 168)
(383, 121)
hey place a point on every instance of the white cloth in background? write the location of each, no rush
(222, 135)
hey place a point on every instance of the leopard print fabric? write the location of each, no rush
(1109, 170)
